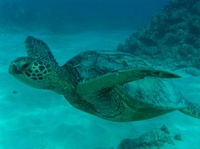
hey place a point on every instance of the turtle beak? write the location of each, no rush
(14, 66)
(10, 70)
(13, 69)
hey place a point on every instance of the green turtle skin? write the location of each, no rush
(111, 85)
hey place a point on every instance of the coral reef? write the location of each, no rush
(154, 139)
(172, 39)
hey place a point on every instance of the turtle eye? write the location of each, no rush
(25, 66)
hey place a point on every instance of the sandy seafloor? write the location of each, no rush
(39, 119)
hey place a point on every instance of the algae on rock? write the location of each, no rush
(172, 39)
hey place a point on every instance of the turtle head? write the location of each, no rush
(32, 72)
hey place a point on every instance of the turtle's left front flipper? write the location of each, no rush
(38, 49)
(191, 109)
(118, 78)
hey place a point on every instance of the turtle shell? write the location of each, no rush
(91, 64)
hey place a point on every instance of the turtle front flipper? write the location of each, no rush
(38, 49)
(191, 109)
(118, 78)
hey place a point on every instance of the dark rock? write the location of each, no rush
(14, 92)
(165, 129)
(178, 137)
(156, 138)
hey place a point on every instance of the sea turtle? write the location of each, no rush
(111, 85)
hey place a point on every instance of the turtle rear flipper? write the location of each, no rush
(38, 49)
(191, 109)
(118, 78)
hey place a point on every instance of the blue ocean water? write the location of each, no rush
(39, 119)
(76, 15)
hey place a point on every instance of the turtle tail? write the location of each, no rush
(191, 109)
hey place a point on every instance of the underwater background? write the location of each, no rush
(166, 33)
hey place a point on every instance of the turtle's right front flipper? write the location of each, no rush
(118, 78)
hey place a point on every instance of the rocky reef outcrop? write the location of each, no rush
(154, 139)
(171, 39)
